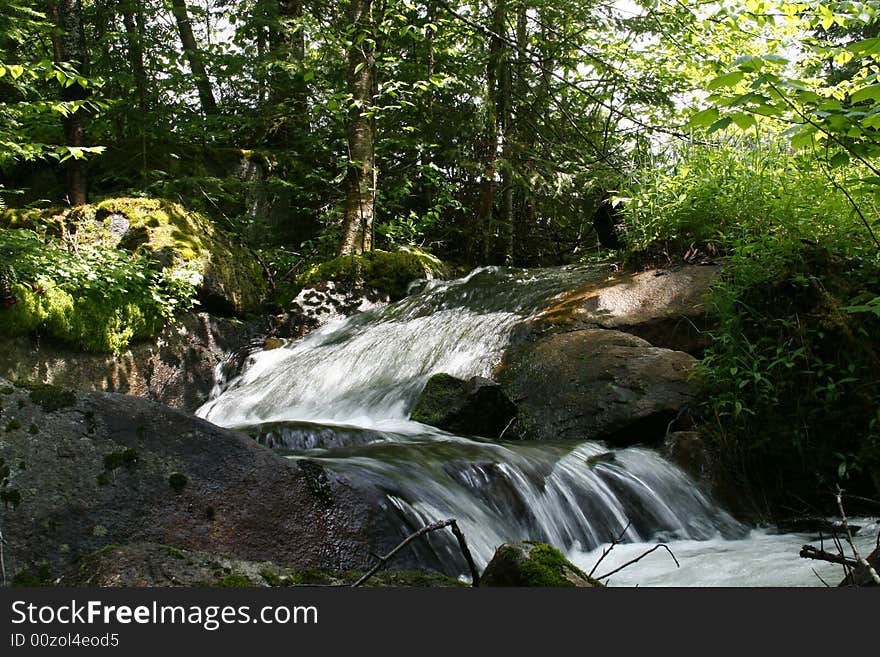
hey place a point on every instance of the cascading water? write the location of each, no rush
(344, 393)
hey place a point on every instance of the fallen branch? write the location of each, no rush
(434, 526)
(859, 559)
(810, 552)
(639, 558)
(607, 550)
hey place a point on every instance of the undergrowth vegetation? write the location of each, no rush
(791, 377)
(94, 298)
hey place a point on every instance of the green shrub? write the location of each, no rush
(96, 298)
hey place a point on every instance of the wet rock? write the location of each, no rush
(596, 384)
(688, 451)
(151, 564)
(475, 407)
(179, 368)
(529, 563)
(115, 484)
(301, 436)
(664, 307)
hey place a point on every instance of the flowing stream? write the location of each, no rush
(344, 393)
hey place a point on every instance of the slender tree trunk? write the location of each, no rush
(134, 40)
(483, 227)
(427, 155)
(360, 197)
(68, 44)
(290, 92)
(194, 57)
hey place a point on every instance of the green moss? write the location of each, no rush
(7, 390)
(13, 425)
(235, 581)
(544, 566)
(439, 394)
(177, 481)
(174, 552)
(40, 576)
(382, 270)
(10, 497)
(33, 429)
(274, 580)
(103, 478)
(49, 397)
(121, 457)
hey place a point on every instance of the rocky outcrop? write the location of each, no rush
(596, 384)
(477, 407)
(664, 307)
(88, 470)
(528, 563)
(178, 368)
(151, 564)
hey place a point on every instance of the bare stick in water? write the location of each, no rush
(607, 550)
(434, 526)
(639, 558)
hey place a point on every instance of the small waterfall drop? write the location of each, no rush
(343, 395)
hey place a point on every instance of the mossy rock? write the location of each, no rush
(388, 272)
(529, 563)
(188, 242)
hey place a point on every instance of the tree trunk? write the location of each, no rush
(68, 44)
(194, 57)
(360, 197)
(289, 91)
(135, 51)
(483, 222)
(427, 157)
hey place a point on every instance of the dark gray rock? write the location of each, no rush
(88, 470)
(178, 368)
(596, 384)
(475, 407)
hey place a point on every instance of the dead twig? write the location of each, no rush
(639, 558)
(607, 551)
(861, 561)
(434, 526)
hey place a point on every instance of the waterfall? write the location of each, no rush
(343, 395)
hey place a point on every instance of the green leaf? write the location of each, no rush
(744, 121)
(865, 47)
(726, 80)
(720, 124)
(871, 92)
(703, 118)
(839, 159)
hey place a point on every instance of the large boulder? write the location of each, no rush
(476, 407)
(84, 470)
(596, 384)
(179, 368)
(151, 564)
(665, 307)
(528, 563)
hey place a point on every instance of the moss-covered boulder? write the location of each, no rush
(529, 563)
(475, 407)
(388, 272)
(228, 278)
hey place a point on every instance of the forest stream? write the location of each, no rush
(343, 395)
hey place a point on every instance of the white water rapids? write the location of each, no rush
(343, 395)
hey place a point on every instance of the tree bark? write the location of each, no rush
(482, 232)
(68, 44)
(360, 197)
(134, 39)
(194, 57)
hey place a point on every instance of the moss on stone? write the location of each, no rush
(10, 497)
(389, 272)
(49, 397)
(440, 392)
(13, 425)
(533, 564)
(177, 481)
(121, 457)
(235, 581)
